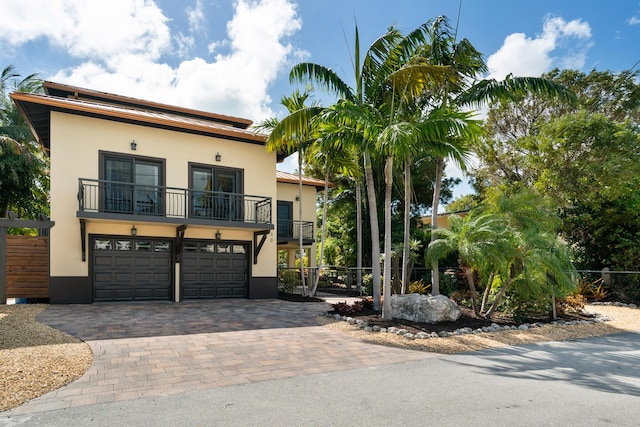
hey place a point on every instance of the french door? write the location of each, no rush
(132, 185)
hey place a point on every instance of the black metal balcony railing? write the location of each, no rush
(111, 197)
(290, 229)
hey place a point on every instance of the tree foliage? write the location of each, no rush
(508, 245)
(582, 156)
(24, 180)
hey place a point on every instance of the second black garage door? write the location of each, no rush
(214, 270)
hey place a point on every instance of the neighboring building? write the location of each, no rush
(156, 202)
(443, 219)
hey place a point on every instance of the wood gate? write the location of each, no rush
(24, 286)
(27, 267)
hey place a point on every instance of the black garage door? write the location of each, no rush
(131, 269)
(214, 270)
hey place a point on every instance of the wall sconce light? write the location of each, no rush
(134, 231)
(134, 145)
(218, 235)
(297, 198)
(218, 157)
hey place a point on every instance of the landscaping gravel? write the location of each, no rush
(34, 358)
(618, 318)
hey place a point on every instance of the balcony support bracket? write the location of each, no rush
(258, 246)
(83, 239)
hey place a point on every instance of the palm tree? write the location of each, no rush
(24, 180)
(467, 88)
(511, 242)
(356, 102)
(480, 239)
(329, 151)
(541, 263)
(289, 134)
(386, 85)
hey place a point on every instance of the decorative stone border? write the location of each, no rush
(361, 324)
(614, 304)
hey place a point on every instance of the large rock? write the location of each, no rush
(423, 308)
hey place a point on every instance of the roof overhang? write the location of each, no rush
(290, 178)
(36, 109)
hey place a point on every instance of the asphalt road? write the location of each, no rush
(593, 382)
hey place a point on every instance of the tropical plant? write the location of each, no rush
(467, 89)
(293, 134)
(482, 241)
(512, 243)
(24, 180)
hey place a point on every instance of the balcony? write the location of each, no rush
(126, 201)
(289, 231)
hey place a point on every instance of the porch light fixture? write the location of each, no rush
(134, 231)
(218, 235)
(218, 157)
(133, 145)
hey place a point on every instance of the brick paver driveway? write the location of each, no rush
(162, 348)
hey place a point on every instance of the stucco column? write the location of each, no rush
(312, 256)
(291, 258)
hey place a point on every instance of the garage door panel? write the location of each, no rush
(102, 277)
(161, 277)
(239, 263)
(213, 270)
(122, 261)
(103, 262)
(188, 261)
(144, 277)
(161, 262)
(223, 263)
(124, 277)
(224, 292)
(223, 277)
(125, 270)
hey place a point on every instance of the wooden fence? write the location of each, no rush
(27, 267)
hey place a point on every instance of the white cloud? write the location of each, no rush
(634, 20)
(184, 44)
(87, 29)
(123, 46)
(196, 16)
(525, 56)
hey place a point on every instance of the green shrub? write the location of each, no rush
(367, 284)
(289, 280)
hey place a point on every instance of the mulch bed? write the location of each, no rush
(467, 319)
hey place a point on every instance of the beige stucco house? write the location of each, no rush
(157, 202)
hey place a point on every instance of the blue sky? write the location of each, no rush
(233, 57)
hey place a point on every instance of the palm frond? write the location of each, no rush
(322, 77)
(513, 89)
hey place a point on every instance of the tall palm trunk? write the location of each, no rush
(375, 230)
(304, 285)
(407, 225)
(435, 274)
(468, 271)
(388, 179)
(325, 198)
(359, 235)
